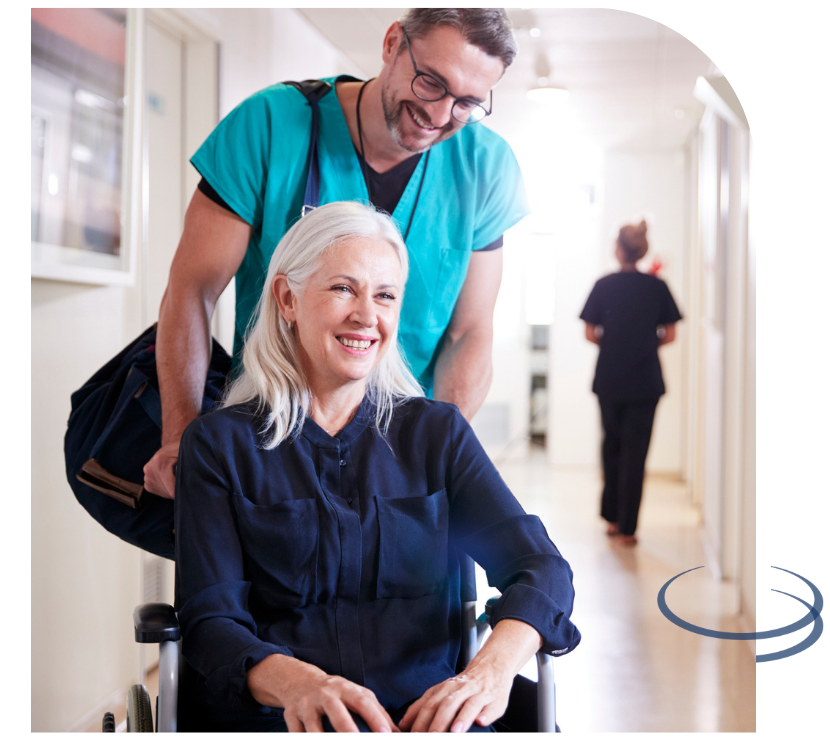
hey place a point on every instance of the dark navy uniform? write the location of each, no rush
(629, 306)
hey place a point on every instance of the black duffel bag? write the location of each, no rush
(114, 429)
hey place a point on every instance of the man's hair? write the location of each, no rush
(273, 376)
(487, 28)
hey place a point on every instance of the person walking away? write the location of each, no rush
(629, 314)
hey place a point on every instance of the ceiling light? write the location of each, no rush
(535, 32)
(545, 91)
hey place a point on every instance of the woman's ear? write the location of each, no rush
(286, 299)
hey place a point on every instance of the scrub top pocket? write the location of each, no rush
(448, 284)
(280, 544)
(412, 559)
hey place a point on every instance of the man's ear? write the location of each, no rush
(392, 42)
(286, 299)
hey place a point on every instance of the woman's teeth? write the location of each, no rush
(355, 343)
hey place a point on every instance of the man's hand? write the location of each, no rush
(475, 695)
(308, 694)
(159, 475)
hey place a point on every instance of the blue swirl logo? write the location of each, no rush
(813, 616)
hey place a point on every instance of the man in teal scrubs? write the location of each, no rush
(409, 141)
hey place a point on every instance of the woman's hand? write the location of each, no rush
(480, 692)
(477, 694)
(308, 694)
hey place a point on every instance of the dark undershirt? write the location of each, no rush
(387, 188)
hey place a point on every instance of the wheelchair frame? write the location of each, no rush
(158, 623)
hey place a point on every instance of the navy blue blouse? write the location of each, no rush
(341, 551)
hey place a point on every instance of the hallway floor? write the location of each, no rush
(634, 670)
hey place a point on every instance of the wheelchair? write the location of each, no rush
(158, 623)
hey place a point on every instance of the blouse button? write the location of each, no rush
(348, 500)
(342, 463)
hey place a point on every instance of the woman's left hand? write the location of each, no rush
(478, 694)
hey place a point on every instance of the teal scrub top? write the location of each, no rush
(256, 160)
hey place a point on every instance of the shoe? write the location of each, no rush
(629, 540)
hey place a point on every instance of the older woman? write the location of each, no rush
(320, 515)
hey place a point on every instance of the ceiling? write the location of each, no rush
(630, 78)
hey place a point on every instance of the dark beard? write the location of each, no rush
(393, 115)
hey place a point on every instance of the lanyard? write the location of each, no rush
(364, 165)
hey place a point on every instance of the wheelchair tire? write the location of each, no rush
(139, 714)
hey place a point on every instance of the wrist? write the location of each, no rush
(274, 680)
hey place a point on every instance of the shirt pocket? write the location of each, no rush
(280, 543)
(453, 269)
(412, 560)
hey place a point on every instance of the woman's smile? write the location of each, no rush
(357, 344)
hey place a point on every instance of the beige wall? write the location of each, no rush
(721, 364)
(85, 582)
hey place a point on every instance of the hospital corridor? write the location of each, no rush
(621, 256)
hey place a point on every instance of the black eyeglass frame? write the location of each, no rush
(419, 73)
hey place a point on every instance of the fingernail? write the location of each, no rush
(482, 720)
(457, 727)
(383, 729)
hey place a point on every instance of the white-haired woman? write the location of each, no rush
(320, 514)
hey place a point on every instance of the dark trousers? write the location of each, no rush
(627, 433)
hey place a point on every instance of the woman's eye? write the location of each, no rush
(342, 288)
(386, 297)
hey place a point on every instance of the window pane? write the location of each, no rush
(78, 58)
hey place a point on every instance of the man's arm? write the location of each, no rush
(464, 369)
(210, 251)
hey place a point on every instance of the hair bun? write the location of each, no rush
(632, 240)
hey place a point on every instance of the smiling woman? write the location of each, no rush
(325, 330)
(322, 513)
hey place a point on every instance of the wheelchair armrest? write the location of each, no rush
(156, 623)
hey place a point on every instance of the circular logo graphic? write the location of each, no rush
(813, 616)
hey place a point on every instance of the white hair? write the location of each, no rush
(272, 375)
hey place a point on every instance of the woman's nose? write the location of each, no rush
(364, 313)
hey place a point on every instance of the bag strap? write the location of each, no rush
(312, 90)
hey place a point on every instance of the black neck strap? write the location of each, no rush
(364, 165)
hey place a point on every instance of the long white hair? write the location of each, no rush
(272, 375)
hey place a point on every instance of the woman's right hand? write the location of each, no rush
(308, 694)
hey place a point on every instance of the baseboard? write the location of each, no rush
(91, 721)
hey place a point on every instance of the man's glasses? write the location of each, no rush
(429, 89)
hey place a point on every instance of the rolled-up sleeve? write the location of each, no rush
(513, 547)
(219, 635)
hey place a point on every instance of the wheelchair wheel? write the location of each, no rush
(139, 714)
